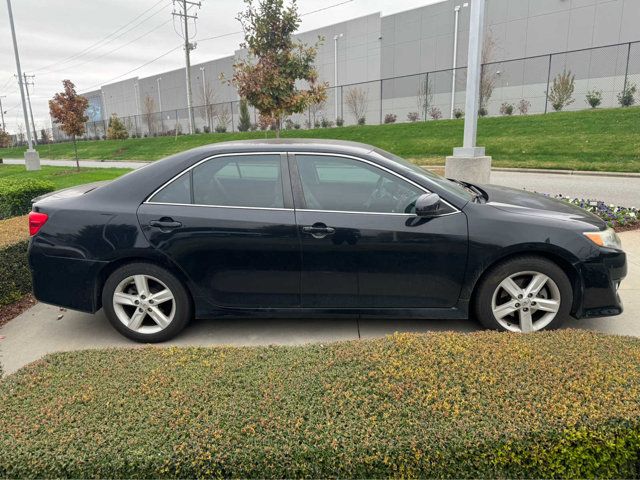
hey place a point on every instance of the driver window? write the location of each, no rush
(239, 181)
(348, 185)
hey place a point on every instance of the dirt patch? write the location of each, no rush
(14, 230)
(11, 311)
(628, 228)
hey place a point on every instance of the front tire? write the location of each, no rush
(146, 303)
(524, 294)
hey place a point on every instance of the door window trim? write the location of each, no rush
(375, 165)
(283, 172)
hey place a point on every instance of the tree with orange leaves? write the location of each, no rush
(268, 78)
(68, 109)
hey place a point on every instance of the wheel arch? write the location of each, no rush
(561, 261)
(156, 260)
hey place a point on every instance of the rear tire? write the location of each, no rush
(146, 303)
(524, 294)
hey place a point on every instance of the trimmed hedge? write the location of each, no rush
(16, 195)
(15, 276)
(557, 404)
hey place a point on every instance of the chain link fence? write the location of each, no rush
(532, 85)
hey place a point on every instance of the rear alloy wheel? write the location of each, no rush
(146, 303)
(524, 295)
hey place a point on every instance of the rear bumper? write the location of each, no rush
(601, 278)
(64, 282)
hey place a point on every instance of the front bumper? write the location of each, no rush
(601, 277)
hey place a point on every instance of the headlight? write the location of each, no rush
(607, 238)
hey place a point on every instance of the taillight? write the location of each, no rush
(36, 221)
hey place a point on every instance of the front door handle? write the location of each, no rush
(319, 230)
(165, 224)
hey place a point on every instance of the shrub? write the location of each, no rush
(16, 195)
(562, 404)
(458, 113)
(288, 124)
(15, 276)
(5, 139)
(390, 118)
(221, 129)
(561, 91)
(483, 112)
(245, 120)
(340, 122)
(524, 106)
(435, 113)
(206, 129)
(506, 109)
(413, 116)
(296, 126)
(626, 98)
(594, 98)
(362, 121)
(117, 130)
(326, 123)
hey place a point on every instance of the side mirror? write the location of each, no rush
(428, 205)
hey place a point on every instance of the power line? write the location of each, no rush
(302, 15)
(91, 60)
(205, 39)
(109, 38)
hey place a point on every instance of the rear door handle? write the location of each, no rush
(319, 230)
(165, 224)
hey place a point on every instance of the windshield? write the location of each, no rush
(448, 185)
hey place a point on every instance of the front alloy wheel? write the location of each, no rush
(524, 294)
(526, 302)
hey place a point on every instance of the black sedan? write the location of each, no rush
(316, 228)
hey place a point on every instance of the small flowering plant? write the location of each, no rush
(615, 215)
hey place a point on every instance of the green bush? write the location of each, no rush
(16, 195)
(15, 277)
(557, 404)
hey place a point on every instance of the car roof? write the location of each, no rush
(288, 144)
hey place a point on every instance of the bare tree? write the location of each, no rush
(223, 116)
(314, 109)
(357, 101)
(149, 110)
(561, 91)
(208, 99)
(425, 96)
(489, 77)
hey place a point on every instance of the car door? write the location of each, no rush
(362, 244)
(229, 223)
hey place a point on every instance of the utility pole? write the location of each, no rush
(4, 127)
(28, 80)
(469, 162)
(31, 157)
(184, 15)
(159, 96)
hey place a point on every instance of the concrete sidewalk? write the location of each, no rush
(83, 163)
(44, 329)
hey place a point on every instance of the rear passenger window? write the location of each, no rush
(239, 181)
(178, 191)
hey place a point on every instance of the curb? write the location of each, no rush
(584, 173)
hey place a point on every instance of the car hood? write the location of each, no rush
(534, 204)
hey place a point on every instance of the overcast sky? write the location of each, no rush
(51, 31)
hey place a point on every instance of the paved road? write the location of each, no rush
(623, 191)
(40, 330)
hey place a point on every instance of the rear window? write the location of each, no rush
(178, 191)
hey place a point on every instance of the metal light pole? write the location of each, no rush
(204, 85)
(4, 127)
(469, 163)
(335, 72)
(137, 94)
(26, 87)
(31, 157)
(455, 54)
(159, 96)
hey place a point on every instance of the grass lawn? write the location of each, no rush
(63, 177)
(560, 404)
(604, 140)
